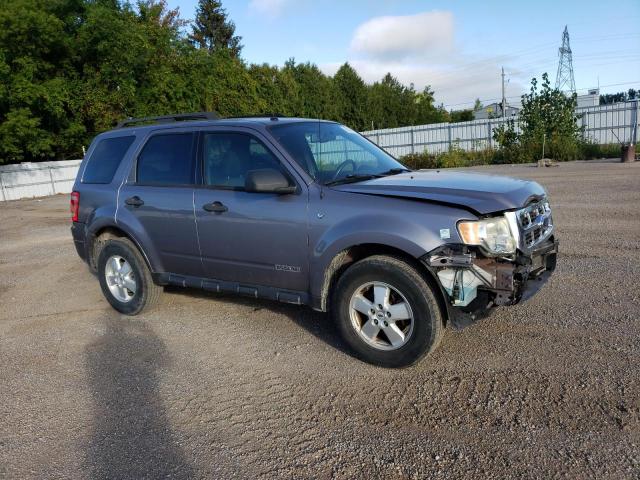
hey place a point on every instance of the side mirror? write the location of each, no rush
(267, 180)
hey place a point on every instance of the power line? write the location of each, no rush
(470, 69)
(636, 82)
(531, 51)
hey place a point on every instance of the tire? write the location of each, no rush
(398, 342)
(124, 298)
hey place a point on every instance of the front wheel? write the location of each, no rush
(387, 312)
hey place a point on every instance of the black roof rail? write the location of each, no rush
(180, 117)
(259, 115)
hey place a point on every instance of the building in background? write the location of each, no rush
(494, 110)
(591, 99)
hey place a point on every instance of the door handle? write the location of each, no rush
(216, 207)
(134, 201)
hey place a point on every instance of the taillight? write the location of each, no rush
(74, 205)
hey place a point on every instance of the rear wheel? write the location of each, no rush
(387, 312)
(125, 279)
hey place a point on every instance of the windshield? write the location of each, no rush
(332, 153)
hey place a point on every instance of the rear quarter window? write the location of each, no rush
(105, 159)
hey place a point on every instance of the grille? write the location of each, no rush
(535, 224)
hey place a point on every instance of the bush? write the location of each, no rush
(548, 124)
(456, 157)
(590, 150)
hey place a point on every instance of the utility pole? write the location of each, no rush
(504, 100)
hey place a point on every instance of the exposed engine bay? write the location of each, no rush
(475, 283)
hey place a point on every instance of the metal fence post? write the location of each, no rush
(635, 123)
(4, 195)
(413, 145)
(449, 136)
(489, 135)
(53, 185)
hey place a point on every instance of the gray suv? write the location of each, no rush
(307, 212)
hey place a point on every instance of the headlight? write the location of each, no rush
(493, 234)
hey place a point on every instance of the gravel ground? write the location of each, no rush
(210, 386)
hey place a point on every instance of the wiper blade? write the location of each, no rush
(351, 179)
(394, 171)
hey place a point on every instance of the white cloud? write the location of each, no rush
(421, 49)
(270, 8)
(426, 34)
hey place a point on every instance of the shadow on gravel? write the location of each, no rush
(318, 324)
(132, 437)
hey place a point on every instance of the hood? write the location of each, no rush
(479, 192)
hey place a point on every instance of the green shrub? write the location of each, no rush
(589, 151)
(456, 157)
(548, 127)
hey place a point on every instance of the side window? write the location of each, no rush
(166, 160)
(105, 159)
(229, 156)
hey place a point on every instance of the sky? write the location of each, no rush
(456, 47)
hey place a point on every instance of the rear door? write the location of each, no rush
(252, 238)
(160, 200)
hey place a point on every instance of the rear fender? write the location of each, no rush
(132, 228)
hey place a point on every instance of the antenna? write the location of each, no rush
(564, 77)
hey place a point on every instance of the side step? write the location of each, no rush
(220, 286)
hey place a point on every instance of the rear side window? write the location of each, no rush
(167, 160)
(105, 159)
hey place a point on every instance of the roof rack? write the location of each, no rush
(260, 115)
(181, 117)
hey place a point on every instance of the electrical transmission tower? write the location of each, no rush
(564, 77)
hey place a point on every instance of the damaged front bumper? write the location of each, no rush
(474, 283)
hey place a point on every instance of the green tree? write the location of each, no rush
(351, 96)
(427, 112)
(212, 30)
(220, 82)
(70, 69)
(547, 117)
(36, 98)
(391, 104)
(316, 92)
(609, 98)
(461, 116)
(277, 89)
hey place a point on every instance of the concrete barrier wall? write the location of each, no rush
(40, 179)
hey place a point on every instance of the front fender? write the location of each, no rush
(398, 232)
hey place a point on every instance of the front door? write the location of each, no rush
(161, 200)
(249, 238)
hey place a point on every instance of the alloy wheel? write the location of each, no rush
(381, 315)
(120, 278)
